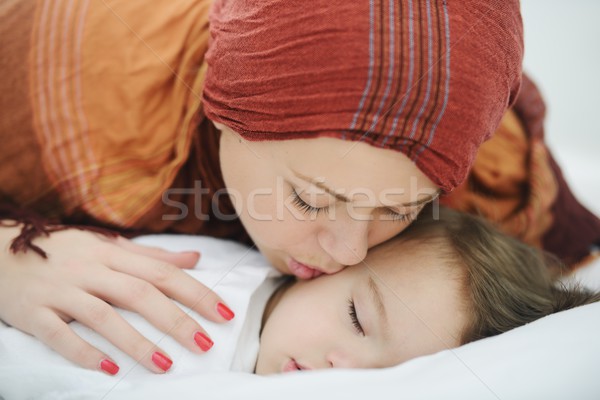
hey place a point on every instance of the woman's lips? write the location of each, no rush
(303, 271)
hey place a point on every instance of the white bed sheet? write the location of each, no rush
(29, 369)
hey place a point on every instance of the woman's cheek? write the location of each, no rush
(263, 225)
(382, 231)
(260, 206)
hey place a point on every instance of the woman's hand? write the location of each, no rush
(85, 272)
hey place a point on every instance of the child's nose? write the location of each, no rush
(344, 359)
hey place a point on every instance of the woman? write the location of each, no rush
(337, 125)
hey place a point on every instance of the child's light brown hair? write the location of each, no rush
(506, 283)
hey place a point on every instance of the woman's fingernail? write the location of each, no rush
(109, 367)
(203, 341)
(163, 362)
(225, 311)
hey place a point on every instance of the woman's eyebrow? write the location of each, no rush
(379, 305)
(429, 198)
(424, 200)
(321, 185)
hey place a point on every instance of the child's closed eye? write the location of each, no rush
(354, 317)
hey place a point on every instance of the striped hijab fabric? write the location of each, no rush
(428, 78)
(99, 104)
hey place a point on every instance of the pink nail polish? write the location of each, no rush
(109, 367)
(163, 362)
(225, 311)
(203, 341)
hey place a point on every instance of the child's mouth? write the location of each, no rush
(292, 366)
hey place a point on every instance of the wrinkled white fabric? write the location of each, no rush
(241, 276)
(553, 358)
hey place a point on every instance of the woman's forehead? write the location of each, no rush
(353, 168)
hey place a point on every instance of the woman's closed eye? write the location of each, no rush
(354, 317)
(309, 209)
(304, 206)
(394, 216)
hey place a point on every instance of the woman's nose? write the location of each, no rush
(347, 243)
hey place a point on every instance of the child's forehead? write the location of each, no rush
(422, 297)
(398, 249)
(401, 257)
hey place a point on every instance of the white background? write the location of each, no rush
(562, 56)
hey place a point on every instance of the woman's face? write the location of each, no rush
(401, 302)
(315, 206)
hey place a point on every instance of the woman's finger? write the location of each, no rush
(173, 282)
(143, 298)
(185, 259)
(103, 319)
(59, 336)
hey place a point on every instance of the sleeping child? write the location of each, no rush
(444, 282)
(440, 284)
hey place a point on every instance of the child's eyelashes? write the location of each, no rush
(354, 317)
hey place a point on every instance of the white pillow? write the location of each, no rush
(556, 357)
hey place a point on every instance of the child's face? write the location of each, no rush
(420, 311)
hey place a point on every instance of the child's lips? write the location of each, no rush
(292, 365)
(303, 271)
